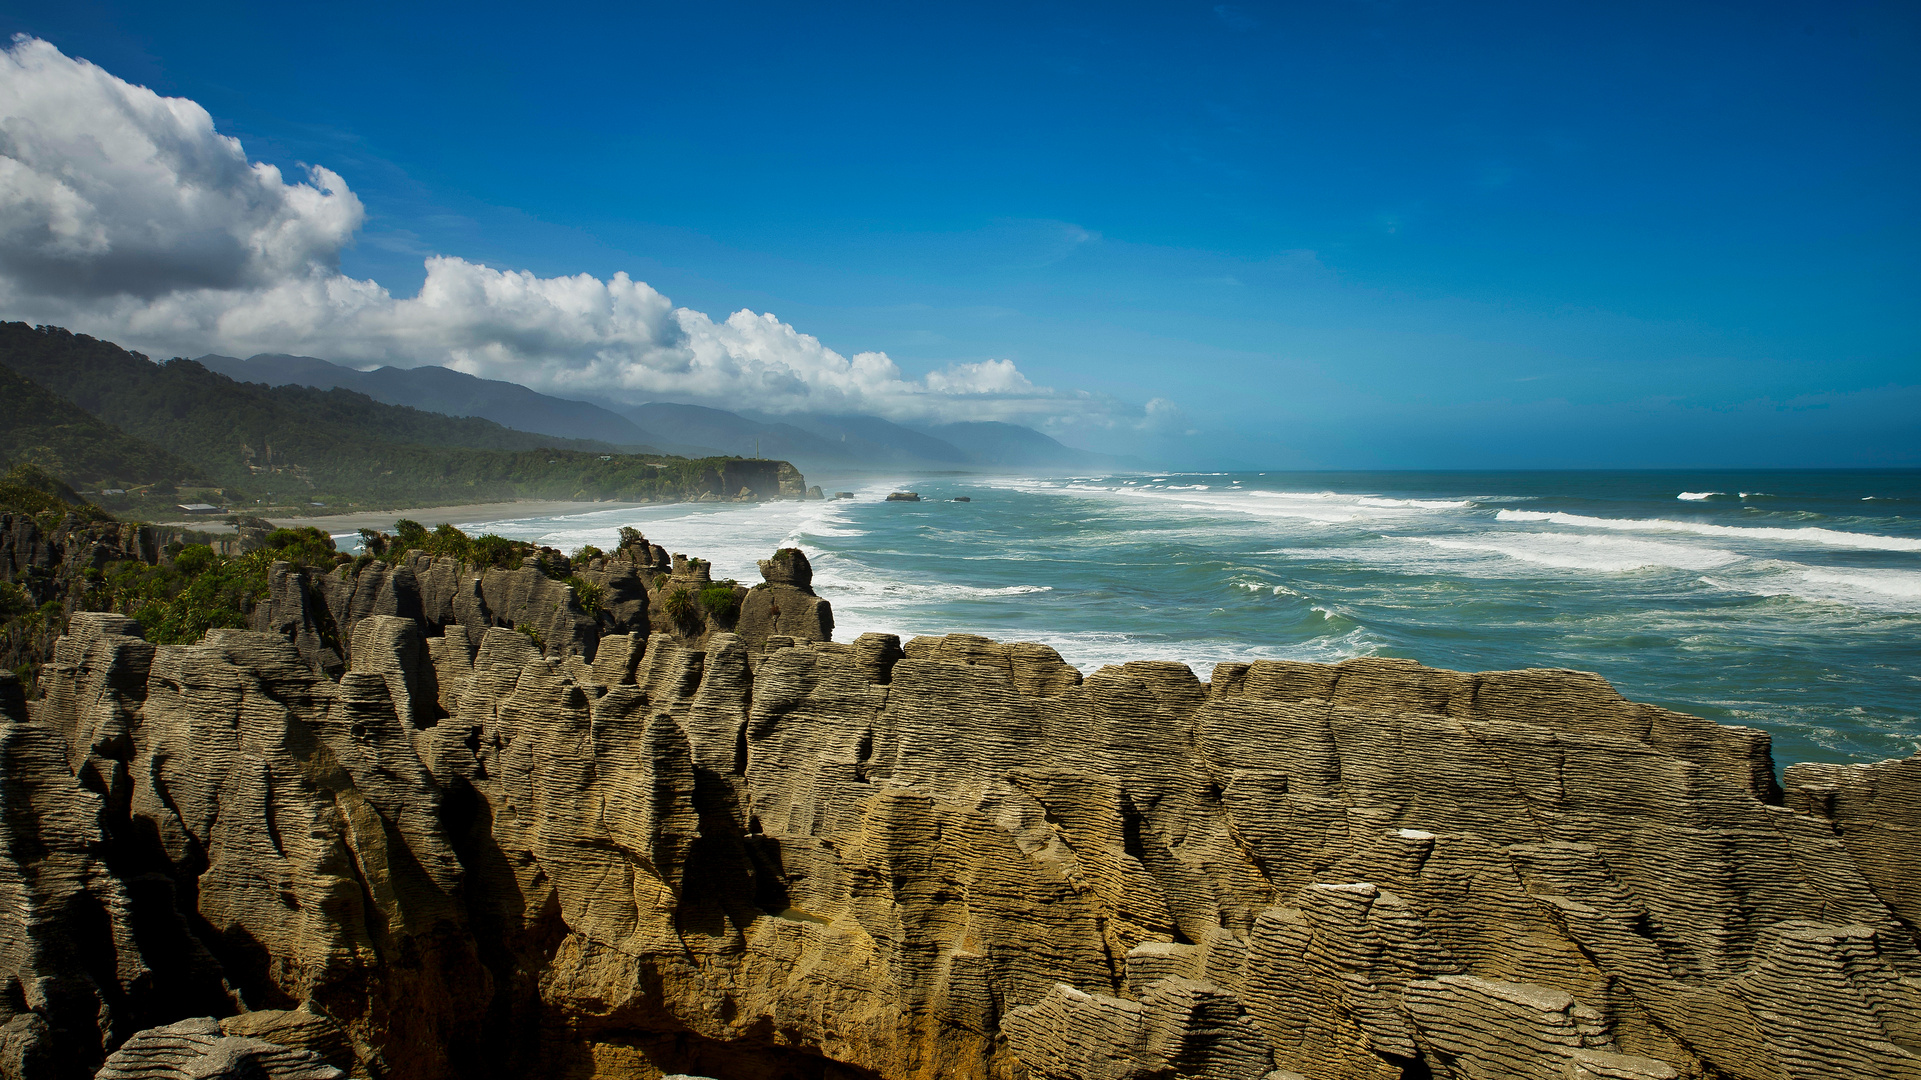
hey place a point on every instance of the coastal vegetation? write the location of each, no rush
(691, 606)
(188, 585)
(177, 601)
(30, 489)
(722, 601)
(147, 437)
(188, 589)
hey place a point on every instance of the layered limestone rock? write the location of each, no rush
(784, 604)
(199, 1050)
(458, 602)
(466, 853)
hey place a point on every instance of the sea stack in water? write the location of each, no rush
(786, 856)
(904, 496)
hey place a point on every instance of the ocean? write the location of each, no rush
(1787, 601)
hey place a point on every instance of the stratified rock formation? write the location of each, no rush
(199, 1050)
(462, 852)
(784, 603)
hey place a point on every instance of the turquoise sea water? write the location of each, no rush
(1789, 601)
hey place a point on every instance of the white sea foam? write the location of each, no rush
(1091, 650)
(1607, 554)
(1697, 496)
(1326, 507)
(1868, 588)
(861, 591)
(1339, 497)
(1416, 504)
(1807, 535)
(1895, 587)
(732, 537)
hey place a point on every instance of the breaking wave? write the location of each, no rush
(1806, 535)
(1605, 554)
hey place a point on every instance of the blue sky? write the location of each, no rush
(1344, 234)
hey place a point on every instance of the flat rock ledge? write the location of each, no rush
(196, 1050)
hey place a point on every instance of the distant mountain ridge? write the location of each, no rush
(444, 390)
(103, 413)
(991, 442)
(810, 440)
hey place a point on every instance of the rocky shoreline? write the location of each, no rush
(430, 820)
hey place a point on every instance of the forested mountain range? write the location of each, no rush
(56, 434)
(810, 440)
(112, 418)
(454, 393)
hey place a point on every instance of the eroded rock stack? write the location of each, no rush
(463, 853)
(784, 605)
(456, 603)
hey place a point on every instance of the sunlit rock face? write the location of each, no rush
(464, 850)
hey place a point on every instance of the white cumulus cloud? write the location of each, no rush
(126, 215)
(110, 189)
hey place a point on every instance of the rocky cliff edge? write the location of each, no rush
(465, 850)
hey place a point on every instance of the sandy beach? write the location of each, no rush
(428, 516)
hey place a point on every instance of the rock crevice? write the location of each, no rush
(453, 848)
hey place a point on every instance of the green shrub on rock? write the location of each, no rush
(680, 605)
(448, 541)
(202, 589)
(592, 597)
(305, 545)
(722, 601)
(496, 551)
(195, 559)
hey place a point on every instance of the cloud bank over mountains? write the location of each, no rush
(126, 215)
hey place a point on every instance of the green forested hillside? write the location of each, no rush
(292, 446)
(206, 416)
(40, 427)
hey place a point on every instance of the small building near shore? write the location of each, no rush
(198, 508)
